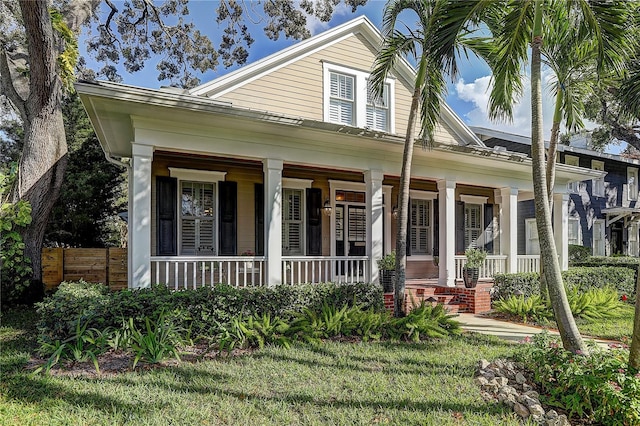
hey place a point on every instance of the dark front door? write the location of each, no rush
(616, 239)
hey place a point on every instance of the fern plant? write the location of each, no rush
(159, 340)
(425, 321)
(525, 308)
(595, 304)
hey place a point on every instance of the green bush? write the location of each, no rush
(578, 254)
(524, 284)
(584, 278)
(202, 311)
(599, 387)
(580, 278)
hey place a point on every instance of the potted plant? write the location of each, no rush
(471, 269)
(387, 270)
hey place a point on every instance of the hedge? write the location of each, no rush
(202, 310)
(621, 278)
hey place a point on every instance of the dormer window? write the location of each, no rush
(348, 101)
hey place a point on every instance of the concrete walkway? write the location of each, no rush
(505, 330)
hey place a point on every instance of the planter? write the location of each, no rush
(470, 277)
(388, 280)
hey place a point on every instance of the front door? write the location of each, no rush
(616, 239)
(350, 229)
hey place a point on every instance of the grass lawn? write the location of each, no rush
(618, 328)
(334, 383)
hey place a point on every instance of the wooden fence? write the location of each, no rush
(108, 266)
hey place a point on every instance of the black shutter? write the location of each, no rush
(314, 222)
(459, 227)
(436, 228)
(259, 213)
(227, 198)
(488, 220)
(409, 229)
(166, 202)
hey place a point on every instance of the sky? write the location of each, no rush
(467, 95)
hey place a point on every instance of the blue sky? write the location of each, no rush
(467, 95)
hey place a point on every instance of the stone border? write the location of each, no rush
(503, 381)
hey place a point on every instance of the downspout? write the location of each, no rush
(112, 160)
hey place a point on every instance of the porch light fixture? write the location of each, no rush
(394, 212)
(327, 208)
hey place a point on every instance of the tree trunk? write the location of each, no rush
(551, 173)
(44, 155)
(634, 351)
(403, 204)
(571, 338)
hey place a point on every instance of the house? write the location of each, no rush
(288, 162)
(603, 213)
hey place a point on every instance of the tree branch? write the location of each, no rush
(8, 87)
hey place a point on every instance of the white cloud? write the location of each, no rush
(315, 26)
(477, 93)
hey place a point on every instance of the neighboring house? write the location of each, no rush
(289, 161)
(603, 213)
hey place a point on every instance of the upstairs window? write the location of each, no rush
(598, 237)
(597, 185)
(341, 104)
(632, 183)
(572, 160)
(378, 110)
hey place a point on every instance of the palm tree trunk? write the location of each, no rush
(551, 172)
(403, 205)
(634, 351)
(571, 338)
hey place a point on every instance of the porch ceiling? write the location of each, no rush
(628, 214)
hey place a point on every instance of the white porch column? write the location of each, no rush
(447, 236)
(273, 219)
(561, 228)
(373, 180)
(140, 216)
(509, 227)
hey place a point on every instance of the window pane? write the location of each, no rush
(197, 222)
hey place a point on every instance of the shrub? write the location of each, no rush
(507, 285)
(600, 386)
(585, 278)
(580, 278)
(202, 310)
(578, 254)
(594, 304)
(157, 341)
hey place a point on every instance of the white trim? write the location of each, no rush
(473, 199)
(294, 183)
(197, 175)
(423, 195)
(340, 185)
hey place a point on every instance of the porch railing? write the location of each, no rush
(309, 269)
(493, 264)
(529, 263)
(181, 272)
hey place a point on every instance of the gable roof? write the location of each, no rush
(360, 25)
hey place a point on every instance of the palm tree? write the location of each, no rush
(435, 57)
(523, 24)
